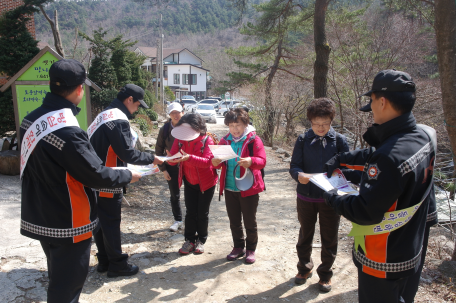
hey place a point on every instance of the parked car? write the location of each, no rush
(188, 97)
(214, 97)
(213, 102)
(207, 111)
(188, 104)
(225, 106)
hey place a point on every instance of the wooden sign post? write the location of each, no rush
(31, 84)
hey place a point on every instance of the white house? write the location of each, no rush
(183, 71)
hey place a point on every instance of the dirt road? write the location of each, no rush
(165, 276)
(168, 277)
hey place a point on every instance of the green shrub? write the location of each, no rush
(145, 125)
(153, 116)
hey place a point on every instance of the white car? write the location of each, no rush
(227, 105)
(207, 111)
(188, 105)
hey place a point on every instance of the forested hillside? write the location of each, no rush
(137, 20)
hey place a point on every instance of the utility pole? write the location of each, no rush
(156, 68)
(162, 76)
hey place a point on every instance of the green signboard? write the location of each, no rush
(31, 84)
(29, 97)
(39, 71)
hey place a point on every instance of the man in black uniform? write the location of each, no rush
(58, 202)
(396, 190)
(114, 143)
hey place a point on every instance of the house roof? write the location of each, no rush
(151, 52)
(188, 64)
(31, 62)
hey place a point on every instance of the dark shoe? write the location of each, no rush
(102, 267)
(187, 248)
(324, 286)
(235, 253)
(131, 270)
(250, 256)
(301, 279)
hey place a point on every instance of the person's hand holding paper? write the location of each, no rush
(222, 152)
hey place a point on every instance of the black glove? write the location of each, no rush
(327, 195)
(331, 165)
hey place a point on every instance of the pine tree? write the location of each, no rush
(101, 71)
(17, 48)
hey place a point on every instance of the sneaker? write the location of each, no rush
(235, 253)
(301, 279)
(199, 247)
(176, 225)
(250, 256)
(187, 248)
(129, 271)
(324, 286)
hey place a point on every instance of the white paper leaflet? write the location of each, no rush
(164, 158)
(143, 170)
(337, 180)
(223, 152)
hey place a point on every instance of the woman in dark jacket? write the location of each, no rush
(311, 151)
(171, 172)
(199, 177)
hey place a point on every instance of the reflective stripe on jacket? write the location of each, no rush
(58, 202)
(396, 170)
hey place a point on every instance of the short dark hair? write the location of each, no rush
(321, 107)
(403, 102)
(196, 121)
(237, 115)
(61, 90)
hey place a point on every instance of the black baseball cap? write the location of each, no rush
(68, 72)
(136, 92)
(389, 80)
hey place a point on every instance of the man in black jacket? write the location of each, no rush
(389, 215)
(112, 139)
(58, 202)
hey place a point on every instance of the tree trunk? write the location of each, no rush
(270, 111)
(322, 50)
(55, 31)
(445, 32)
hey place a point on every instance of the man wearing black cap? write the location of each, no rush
(59, 168)
(113, 140)
(396, 191)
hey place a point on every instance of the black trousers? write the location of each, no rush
(329, 227)
(377, 290)
(413, 281)
(108, 237)
(197, 216)
(174, 191)
(239, 208)
(68, 266)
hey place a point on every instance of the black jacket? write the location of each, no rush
(311, 158)
(164, 142)
(58, 202)
(397, 170)
(112, 143)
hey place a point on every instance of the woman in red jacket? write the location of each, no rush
(198, 176)
(242, 204)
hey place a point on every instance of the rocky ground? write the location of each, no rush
(165, 276)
